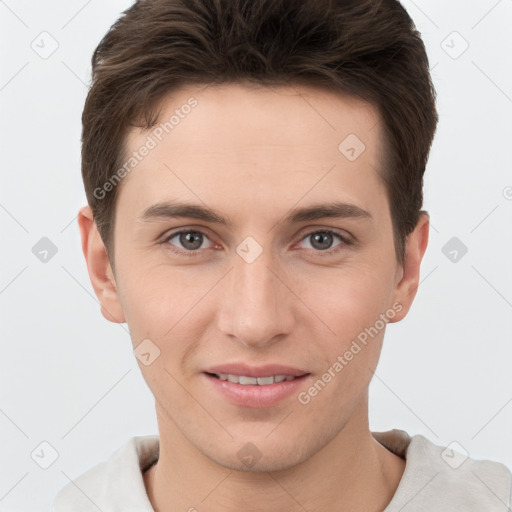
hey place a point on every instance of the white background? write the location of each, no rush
(69, 377)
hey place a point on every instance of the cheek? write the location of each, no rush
(154, 299)
(352, 307)
(348, 299)
(172, 308)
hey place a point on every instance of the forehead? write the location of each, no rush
(256, 141)
(231, 113)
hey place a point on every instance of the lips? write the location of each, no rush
(255, 386)
(254, 396)
(244, 370)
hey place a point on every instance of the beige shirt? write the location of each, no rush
(436, 479)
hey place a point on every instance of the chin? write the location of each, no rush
(260, 454)
(264, 465)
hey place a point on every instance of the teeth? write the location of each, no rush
(247, 381)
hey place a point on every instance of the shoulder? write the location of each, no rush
(445, 478)
(116, 480)
(448, 478)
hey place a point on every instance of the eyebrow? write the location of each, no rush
(335, 210)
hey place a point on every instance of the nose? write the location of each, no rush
(256, 306)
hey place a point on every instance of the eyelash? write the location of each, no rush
(197, 252)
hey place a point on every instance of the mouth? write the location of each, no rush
(246, 380)
(249, 391)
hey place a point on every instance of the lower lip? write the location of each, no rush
(256, 396)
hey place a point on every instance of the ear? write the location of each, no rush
(98, 266)
(409, 275)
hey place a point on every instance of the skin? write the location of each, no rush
(252, 154)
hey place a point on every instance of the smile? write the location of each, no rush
(248, 381)
(255, 392)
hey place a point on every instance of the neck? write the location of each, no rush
(351, 472)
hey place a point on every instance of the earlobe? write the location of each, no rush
(99, 268)
(416, 245)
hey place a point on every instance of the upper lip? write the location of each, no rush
(267, 370)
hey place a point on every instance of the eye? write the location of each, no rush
(322, 240)
(191, 241)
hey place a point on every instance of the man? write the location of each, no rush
(254, 174)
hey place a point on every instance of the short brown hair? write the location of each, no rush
(365, 48)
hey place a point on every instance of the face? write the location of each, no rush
(257, 232)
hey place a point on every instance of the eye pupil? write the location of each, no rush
(188, 238)
(321, 237)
